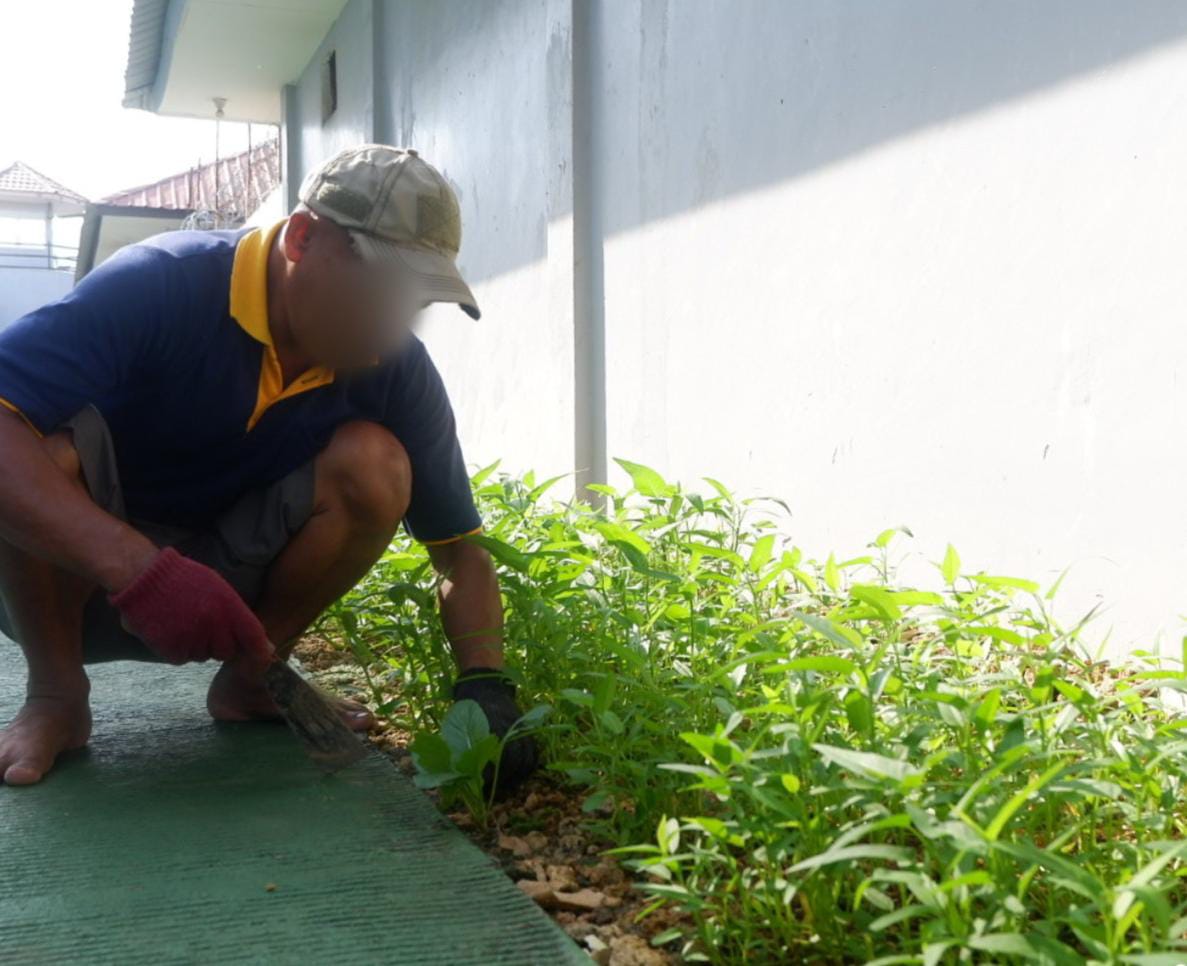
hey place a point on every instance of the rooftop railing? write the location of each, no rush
(57, 258)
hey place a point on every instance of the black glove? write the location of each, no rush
(495, 694)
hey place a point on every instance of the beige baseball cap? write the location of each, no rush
(397, 208)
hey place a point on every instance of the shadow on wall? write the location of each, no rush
(695, 101)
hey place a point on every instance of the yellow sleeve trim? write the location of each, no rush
(437, 543)
(7, 405)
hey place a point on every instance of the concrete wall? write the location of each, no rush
(351, 122)
(913, 262)
(468, 85)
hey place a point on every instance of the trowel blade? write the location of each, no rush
(327, 740)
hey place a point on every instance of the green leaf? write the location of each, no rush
(611, 722)
(859, 712)
(763, 550)
(617, 533)
(362, 653)
(480, 477)
(665, 937)
(529, 720)
(645, 480)
(900, 915)
(882, 541)
(837, 633)
(1007, 583)
(832, 576)
(593, 802)
(866, 762)
(720, 553)
(879, 599)
(504, 553)
(431, 753)
(996, 633)
(850, 853)
(950, 568)
(987, 708)
(720, 488)
(667, 834)
(1011, 943)
(826, 663)
(717, 750)
(1019, 798)
(1145, 875)
(399, 593)
(933, 953)
(603, 692)
(465, 725)
(541, 488)
(1050, 595)
(472, 761)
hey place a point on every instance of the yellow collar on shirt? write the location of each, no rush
(249, 307)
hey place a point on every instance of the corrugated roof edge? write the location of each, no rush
(145, 42)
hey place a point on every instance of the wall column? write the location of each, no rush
(290, 145)
(588, 292)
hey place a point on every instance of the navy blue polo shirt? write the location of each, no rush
(169, 339)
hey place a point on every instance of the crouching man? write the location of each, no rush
(215, 434)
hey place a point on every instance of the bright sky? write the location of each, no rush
(62, 71)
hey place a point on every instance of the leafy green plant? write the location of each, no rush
(813, 760)
(454, 759)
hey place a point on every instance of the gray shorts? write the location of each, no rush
(241, 544)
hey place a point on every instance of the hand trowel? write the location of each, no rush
(328, 742)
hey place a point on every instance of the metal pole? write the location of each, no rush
(249, 204)
(219, 102)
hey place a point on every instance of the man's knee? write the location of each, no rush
(366, 470)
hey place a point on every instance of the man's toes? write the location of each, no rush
(357, 717)
(27, 771)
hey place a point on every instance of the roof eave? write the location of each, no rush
(151, 34)
(175, 69)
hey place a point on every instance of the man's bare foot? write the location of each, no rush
(44, 727)
(234, 696)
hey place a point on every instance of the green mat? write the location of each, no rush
(155, 844)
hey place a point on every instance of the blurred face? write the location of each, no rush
(343, 311)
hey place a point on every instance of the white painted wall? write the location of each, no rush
(914, 262)
(468, 85)
(352, 119)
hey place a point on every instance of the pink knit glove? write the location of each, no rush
(185, 611)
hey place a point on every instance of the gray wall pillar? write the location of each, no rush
(290, 145)
(589, 330)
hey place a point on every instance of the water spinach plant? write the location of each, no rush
(816, 763)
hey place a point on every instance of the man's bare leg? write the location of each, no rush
(363, 482)
(45, 604)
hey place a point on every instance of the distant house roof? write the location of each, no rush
(21, 184)
(246, 183)
(243, 181)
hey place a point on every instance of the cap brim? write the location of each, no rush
(437, 275)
